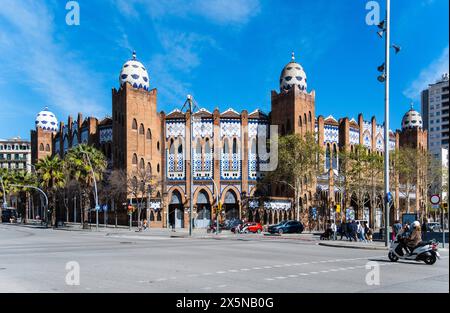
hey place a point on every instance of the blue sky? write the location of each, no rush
(227, 53)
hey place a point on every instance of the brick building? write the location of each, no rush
(226, 159)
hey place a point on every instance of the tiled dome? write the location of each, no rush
(135, 73)
(293, 75)
(412, 119)
(47, 121)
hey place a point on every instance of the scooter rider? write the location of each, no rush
(414, 237)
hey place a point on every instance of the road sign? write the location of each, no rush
(97, 208)
(389, 197)
(435, 207)
(435, 199)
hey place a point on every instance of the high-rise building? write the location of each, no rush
(15, 154)
(435, 113)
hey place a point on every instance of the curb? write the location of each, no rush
(352, 247)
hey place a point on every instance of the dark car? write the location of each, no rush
(230, 224)
(7, 214)
(286, 227)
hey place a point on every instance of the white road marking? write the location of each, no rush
(220, 272)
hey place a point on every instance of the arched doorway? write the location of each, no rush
(203, 210)
(231, 206)
(176, 211)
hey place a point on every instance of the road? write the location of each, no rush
(34, 260)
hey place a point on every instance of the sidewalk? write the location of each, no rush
(376, 245)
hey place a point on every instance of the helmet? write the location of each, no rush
(415, 224)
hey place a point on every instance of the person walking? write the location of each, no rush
(343, 230)
(353, 231)
(333, 229)
(360, 231)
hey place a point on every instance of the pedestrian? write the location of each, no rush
(396, 229)
(353, 231)
(145, 224)
(360, 232)
(333, 229)
(344, 231)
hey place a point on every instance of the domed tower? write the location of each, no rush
(414, 136)
(136, 123)
(412, 133)
(46, 125)
(293, 108)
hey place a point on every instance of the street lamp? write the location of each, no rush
(95, 185)
(189, 106)
(385, 30)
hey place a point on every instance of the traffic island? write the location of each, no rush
(354, 245)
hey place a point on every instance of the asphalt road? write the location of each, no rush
(34, 260)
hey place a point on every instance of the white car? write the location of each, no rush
(434, 227)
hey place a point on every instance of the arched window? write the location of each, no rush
(134, 125)
(253, 148)
(135, 159)
(304, 119)
(152, 216)
(235, 147)
(310, 117)
(157, 145)
(172, 147)
(226, 147)
(328, 158)
(149, 134)
(149, 168)
(300, 121)
(198, 147)
(180, 148)
(41, 147)
(207, 146)
(141, 129)
(157, 168)
(47, 148)
(142, 164)
(335, 158)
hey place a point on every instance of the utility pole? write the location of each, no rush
(386, 121)
(189, 106)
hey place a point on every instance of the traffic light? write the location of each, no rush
(338, 208)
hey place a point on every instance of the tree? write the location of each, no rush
(79, 168)
(141, 184)
(51, 178)
(407, 169)
(298, 158)
(113, 187)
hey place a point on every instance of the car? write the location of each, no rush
(434, 227)
(253, 228)
(230, 224)
(8, 214)
(286, 227)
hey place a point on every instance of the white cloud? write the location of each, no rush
(224, 12)
(39, 62)
(428, 75)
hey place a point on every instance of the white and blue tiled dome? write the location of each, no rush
(47, 121)
(412, 119)
(135, 73)
(293, 75)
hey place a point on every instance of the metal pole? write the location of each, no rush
(75, 209)
(95, 187)
(386, 122)
(191, 180)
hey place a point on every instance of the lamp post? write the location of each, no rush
(189, 106)
(95, 185)
(36, 188)
(385, 29)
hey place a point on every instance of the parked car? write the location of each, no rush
(230, 224)
(286, 227)
(9, 215)
(434, 227)
(252, 228)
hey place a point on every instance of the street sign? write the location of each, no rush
(435, 206)
(389, 197)
(435, 199)
(97, 208)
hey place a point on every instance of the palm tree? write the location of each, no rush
(79, 168)
(51, 177)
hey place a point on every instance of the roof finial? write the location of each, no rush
(293, 56)
(412, 105)
(134, 54)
